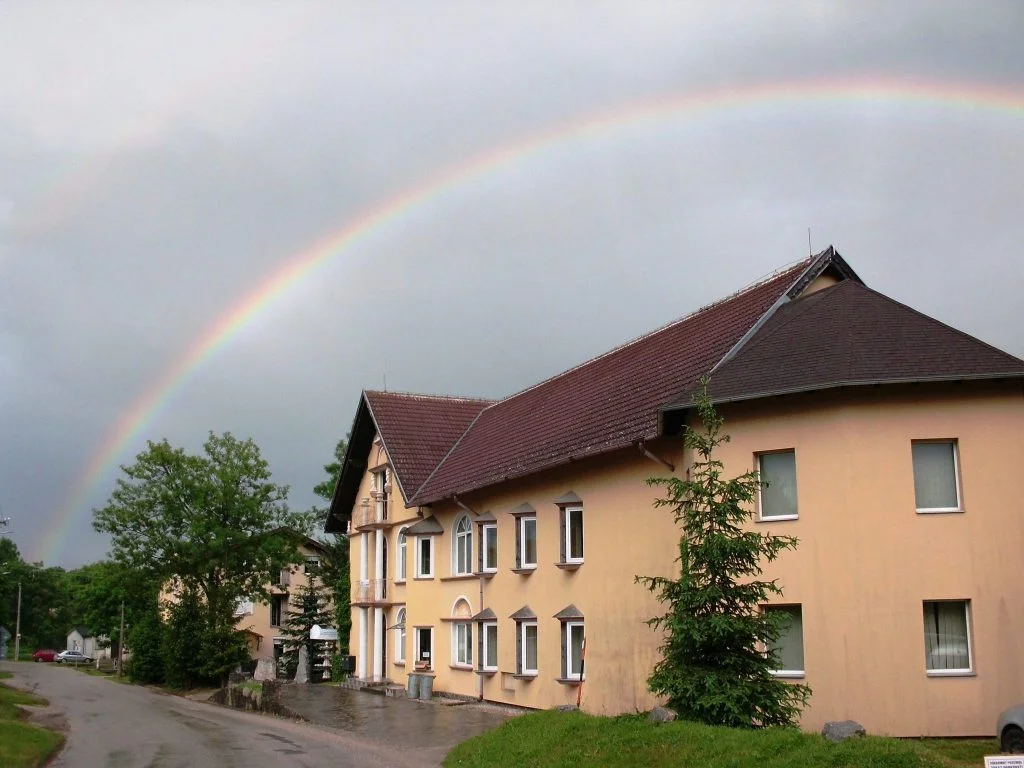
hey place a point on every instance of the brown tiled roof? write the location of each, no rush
(607, 403)
(850, 335)
(418, 430)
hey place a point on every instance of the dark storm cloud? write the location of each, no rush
(158, 162)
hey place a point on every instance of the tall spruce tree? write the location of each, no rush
(307, 608)
(335, 562)
(718, 650)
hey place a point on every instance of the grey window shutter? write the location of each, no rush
(565, 656)
(561, 538)
(519, 542)
(519, 648)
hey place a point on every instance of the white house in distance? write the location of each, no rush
(82, 640)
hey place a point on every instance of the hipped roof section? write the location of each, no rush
(415, 432)
(848, 335)
(605, 404)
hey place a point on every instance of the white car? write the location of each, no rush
(71, 657)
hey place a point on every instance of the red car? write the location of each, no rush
(43, 655)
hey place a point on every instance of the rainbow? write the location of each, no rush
(298, 267)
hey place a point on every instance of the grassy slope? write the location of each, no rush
(575, 739)
(22, 745)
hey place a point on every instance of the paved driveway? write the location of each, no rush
(127, 726)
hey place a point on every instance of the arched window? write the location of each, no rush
(462, 634)
(462, 544)
(403, 547)
(400, 637)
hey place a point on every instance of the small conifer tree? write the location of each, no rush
(718, 650)
(309, 607)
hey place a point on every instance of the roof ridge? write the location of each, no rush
(761, 281)
(427, 396)
(935, 321)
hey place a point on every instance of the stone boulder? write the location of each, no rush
(266, 669)
(841, 730)
(302, 670)
(662, 715)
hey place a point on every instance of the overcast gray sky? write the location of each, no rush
(159, 160)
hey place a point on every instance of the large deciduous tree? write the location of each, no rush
(718, 651)
(212, 525)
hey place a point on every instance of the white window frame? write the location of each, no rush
(521, 522)
(523, 669)
(380, 482)
(961, 672)
(956, 478)
(760, 475)
(402, 566)
(485, 645)
(400, 618)
(462, 627)
(420, 573)
(460, 538)
(484, 530)
(567, 629)
(795, 674)
(417, 631)
(567, 535)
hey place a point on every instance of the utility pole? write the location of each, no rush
(120, 644)
(17, 628)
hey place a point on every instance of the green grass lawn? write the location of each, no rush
(23, 745)
(576, 739)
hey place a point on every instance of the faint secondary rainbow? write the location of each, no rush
(133, 421)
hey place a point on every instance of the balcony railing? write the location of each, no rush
(372, 513)
(371, 591)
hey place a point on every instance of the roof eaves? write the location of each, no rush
(824, 386)
(348, 463)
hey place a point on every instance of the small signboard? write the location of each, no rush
(1004, 761)
(322, 633)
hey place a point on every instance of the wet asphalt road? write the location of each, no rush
(111, 725)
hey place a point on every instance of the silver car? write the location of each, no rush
(71, 657)
(1010, 730)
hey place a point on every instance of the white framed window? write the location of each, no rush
(276, 609)
(573, 640)
(776, 496)
(489, 547)
(403, 551)
(400, 636)
(572, 534)
(423, 639)
(489, 646)
(936, 475)
(526, 554)
(462, 547)
(789, 646)
(527, 661)
(947, 637)
(312, 563)
(424, 557)
(462, 644)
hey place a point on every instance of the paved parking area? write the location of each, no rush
(392, 720)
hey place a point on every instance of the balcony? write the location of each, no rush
(372, 592)
(371, 514)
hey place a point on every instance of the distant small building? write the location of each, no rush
(82, 640)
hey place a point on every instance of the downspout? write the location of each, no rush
(642, 448)
(480, 680)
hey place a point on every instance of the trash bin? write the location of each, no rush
(414, 685)
(426, 687)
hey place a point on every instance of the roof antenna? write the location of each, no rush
(385, 382)
(810, 251)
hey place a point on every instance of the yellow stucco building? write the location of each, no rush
(491, 542)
